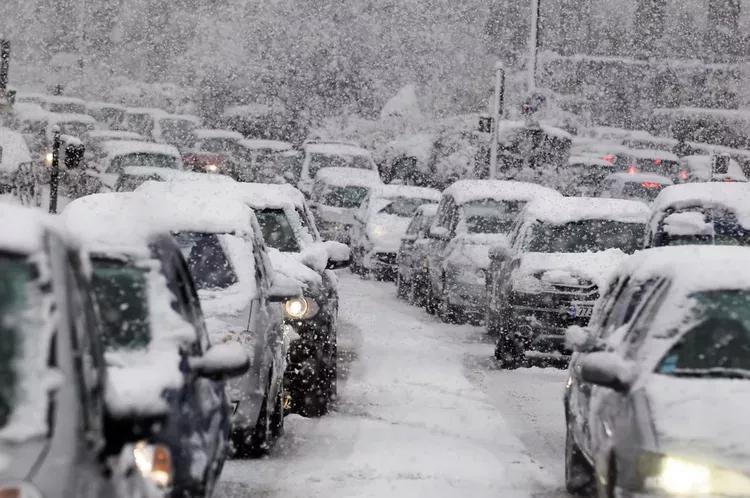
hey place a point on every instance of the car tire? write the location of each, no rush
(579, 476)
(402, 289)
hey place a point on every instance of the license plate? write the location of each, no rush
(580, 310)
(235, 406)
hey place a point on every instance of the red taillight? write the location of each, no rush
(657, 162)
(632, 169)
(650, 185)
(610, 158)
(684, 174)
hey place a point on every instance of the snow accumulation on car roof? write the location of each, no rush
(28, 110)
(93, 106)
(257, 143)
(392, 191)
(153, 111)
(591, 160)
(22, 228)
(464, 191)
(733, 196)
(346, 177)
(700, 167)
(570, 209)
(115, 135)
(114, 148)
(183, 117)
(62, 99)
(336, 149)
(507, 127)
(640, 178)
(206, 133)
(13, 150)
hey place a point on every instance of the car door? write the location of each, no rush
(406, 254)
(443, 221)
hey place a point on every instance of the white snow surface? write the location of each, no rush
(13, 150)
(733, 196)
(464, 191)
(404, 105)
(410, 420)
(22, 228)
(394, 191)
(595, 266)
(115, 148)
(106, 135)
(558, 211)
(345, 177)
(687, 223)
(260, 144)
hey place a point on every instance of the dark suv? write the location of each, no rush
(561, 252)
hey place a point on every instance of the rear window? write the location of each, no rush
(490, 216)
(277, 231)
(145, 159)
(585, 236)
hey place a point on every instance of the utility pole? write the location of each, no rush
(498, 103)
(534, 42)
(55, 174)
(81, 42)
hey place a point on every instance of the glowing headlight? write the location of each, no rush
(301, 308)
(48, 158)
(378, 231)
(154, 461)
(212, 168)
(678, 476)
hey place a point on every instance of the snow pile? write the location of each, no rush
(404, 104)
(570, 209)
(687, 223)
(464, 191)
(13, 150)
(732, 196)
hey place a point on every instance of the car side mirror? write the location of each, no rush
(500, 252)
(283, 288)
(581, 340)
(439, 233)
(409, 237)
(339, 255)
(221, 362)
(608, 370)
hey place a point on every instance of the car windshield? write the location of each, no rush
(207, 260)
(585, 236)
(659, 166)
(319, 160)
(277, 230)
(145, 159)
(719, 227)
(345, 197)
(16, 301)
(490, 216)
(404, 207)
(178, 132)
(121, 293)
(717, 342)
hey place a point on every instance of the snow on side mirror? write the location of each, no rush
(500, 252)
(608, 370)
(580, 339)
(339, 255)
(283, 288)
(439, 233)
(222, 361)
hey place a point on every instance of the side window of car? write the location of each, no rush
(444, 212)
(603, 307)
(414, 225)
(644, 315)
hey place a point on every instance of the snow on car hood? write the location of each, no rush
(332, 214)
(563, 267)
(701, 418)
(290, 265)
(385, 231)
(474, 249)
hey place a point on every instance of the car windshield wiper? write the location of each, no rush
(716, 372)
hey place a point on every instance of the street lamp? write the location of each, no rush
(498, 102)
(534, 42)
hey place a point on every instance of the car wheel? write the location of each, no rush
(402, 290)
(578, 472)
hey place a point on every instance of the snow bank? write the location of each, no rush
(13, 150)
(569, 209)
(464, 191)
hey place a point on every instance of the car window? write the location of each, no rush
(490, 216)
(415, 224)
(644, 315)
(585, 236)
(277, 230)
(141, 159)
(625, 304)
(207, 261)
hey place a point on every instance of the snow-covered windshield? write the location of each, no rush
(490, 216)
(717, 342)
(404, 207)
(121, 293)
(145, 159)
(277, 230)
(344, 197)
(715, 226)
(207, 260)
(16, 301)
(585, 236)
(319, 160)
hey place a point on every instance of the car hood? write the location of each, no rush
(474, 249)
(385, 231)
(701, 419)
(17, 459)
(562, 268)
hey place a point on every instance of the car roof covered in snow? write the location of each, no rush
(336, 149)
(624, 177)
(700, 167)
(115, 135)
(345, 177)
(207, 133)
(257, 143)
(732, 196)
(464, 191)
(570, 209)
(591, 160)
(393, 191)
(191, 118)
(114, 148)
(22, 228)
(104, 105)
(14, 150)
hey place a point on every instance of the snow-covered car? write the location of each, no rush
(699, 169)
(37, 126)
(106, 114)
(161, 363)
(473, 216)
(379, 224)
(701, 213)
(562, 252)
(583, 175)
(336, 195)
(319, 155)
(54, 103)
(241, 297)
(656, 400)
(412, 276)
(297, 252)
(16, 168)
(54, 439)
(634, 186)
(162, 127)
(651, 161)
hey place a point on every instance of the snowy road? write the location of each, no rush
(422, 412)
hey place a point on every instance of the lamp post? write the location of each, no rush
(54, 181)
(498, 103)
(534, 43)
